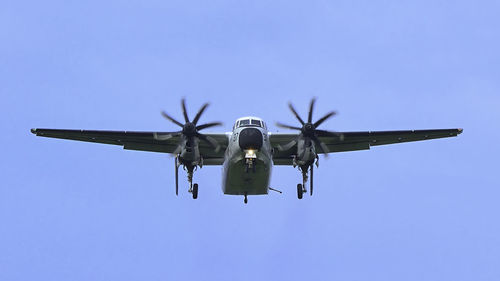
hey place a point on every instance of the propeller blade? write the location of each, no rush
(166, 136)
(184, 111)
(295, 113)
(311, 108)
(171, 119)
(287, 146)
(208, 125)
(281, 125)
(322, 145)
(209, 140)
(200, 112)
(176, 176)
(324, 118)
(312, 180)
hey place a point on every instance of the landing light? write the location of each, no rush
(250, 154)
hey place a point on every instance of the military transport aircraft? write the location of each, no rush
(249, 152)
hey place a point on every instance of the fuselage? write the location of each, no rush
(248, 159)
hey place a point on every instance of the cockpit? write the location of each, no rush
(249, 122)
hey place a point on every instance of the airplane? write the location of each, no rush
(250, 151)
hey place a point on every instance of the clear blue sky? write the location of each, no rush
(82, 211)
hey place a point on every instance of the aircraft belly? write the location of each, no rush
(238, 181)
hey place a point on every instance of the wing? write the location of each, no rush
(144, 141)
(357, 141)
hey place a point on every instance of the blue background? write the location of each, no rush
(416, 211)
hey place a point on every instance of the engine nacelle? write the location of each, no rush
(306, 152)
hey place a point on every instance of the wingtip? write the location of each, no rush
(33, 131)
(460, 130)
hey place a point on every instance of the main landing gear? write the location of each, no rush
(301, 188)
(246, 199)
(193, 188)
(194, 191)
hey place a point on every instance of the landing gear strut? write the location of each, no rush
(177, 164)
(250, 165)
(301, 188)
(193, 188)
(246, 199)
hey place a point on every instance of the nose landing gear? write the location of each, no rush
(250, 160)
(250, 165)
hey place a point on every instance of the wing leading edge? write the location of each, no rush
(353, 141)
(143, 141)
(146, 141)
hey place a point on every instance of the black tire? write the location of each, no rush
(300, 192)
(195, 191)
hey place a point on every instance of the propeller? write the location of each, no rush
(190, 129)
(309, 128)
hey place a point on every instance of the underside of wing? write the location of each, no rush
(143, 141)
(365, 140)
(352, 141)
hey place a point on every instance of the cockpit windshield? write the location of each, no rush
(249, 123)
(256, 122)
(244, 122)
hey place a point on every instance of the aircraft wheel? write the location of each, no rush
(195, 191)
(300, 191)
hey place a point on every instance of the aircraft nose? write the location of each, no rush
(250, 138)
